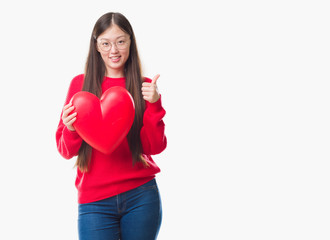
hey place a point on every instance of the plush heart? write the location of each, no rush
(104, 123)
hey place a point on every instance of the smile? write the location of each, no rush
(115, 59)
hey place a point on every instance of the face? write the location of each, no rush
(113, 45)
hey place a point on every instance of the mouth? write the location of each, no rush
(115, 58)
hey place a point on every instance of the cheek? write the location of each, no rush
(126, 55)
(104, 56)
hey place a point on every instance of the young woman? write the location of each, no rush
(117, 194)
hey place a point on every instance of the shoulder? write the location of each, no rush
(76, 85)
(79, 79)
(77, 82)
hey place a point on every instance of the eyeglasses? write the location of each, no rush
(106, 45)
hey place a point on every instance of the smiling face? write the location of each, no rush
(113, 45)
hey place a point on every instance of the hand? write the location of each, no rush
(67, 119)
(150, 91)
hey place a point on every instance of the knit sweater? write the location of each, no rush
(113, 174)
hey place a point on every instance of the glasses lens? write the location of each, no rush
(104, 45)
(121, 44)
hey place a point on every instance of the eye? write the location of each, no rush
(105, 44)
(121, 42)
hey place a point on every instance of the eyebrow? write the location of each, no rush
(109, 39)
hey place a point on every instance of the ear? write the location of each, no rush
(97, 47)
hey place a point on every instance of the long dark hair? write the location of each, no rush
(94, 74)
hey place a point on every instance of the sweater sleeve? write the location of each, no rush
(152, 133)
(68, 142)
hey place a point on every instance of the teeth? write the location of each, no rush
(114, 57)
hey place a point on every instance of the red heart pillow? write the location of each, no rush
(104, 123)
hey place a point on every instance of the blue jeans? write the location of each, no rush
(135, 214)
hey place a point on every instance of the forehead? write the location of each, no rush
(113, 33)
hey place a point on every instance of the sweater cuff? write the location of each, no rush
(70, 135)
(156, 106)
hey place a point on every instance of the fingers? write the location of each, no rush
(67, 109)
(147, 98)
(71, 119)
(150, 91)
(147, 84)
(152, 98)
(67, 106)
(148, 88)
(67, 118)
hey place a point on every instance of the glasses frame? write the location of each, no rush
(113, 44)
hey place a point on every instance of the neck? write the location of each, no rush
(115, 73)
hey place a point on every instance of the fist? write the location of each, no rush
(67, 118)
(150, 91)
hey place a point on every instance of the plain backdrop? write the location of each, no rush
(246, 88)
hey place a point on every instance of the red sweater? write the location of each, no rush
(113, 174)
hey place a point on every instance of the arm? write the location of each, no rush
(152, 133)
(68, 141)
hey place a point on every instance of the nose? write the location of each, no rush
(114, 48)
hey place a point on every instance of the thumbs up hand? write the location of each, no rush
(150, 91)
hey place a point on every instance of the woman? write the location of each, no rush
(117, 193)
